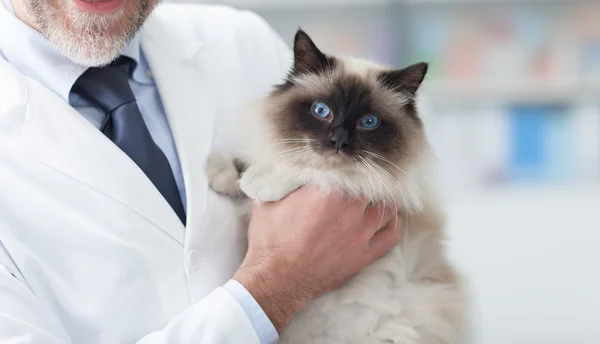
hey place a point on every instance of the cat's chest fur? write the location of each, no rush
(360, 311)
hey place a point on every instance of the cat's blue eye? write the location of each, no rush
(369, 122)
(320, 110)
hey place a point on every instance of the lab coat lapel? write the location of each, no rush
(189, 103)
(58, 136)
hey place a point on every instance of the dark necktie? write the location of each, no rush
(108, 88)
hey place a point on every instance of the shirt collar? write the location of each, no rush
(35, 57)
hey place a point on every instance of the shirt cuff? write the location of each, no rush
(264, 328)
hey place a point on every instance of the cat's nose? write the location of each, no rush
(339, 138)
(339, 145)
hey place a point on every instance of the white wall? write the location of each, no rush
(533, 259)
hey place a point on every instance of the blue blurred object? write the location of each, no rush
(527, 148)
(541, 149)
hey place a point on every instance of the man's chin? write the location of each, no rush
(90, 39)
(90, 33)
(92, 61)
(90, 52)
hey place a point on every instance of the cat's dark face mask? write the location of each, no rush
(344, 115)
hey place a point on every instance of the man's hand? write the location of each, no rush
(308, 244)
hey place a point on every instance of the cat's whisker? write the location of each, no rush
(366, 164)
(275, 143)
(405, 231)
(366, 174)
(368, 182)
(400, 169)
(360, 171)
(281, 141)
(282, 157)
(381, 185)
(291, 150)
(278, 156)
(288, 157)
(284, 140)
(293, 156)
(300, 157)
(240, 197)
(384, 159)
(376, 167)
(397, 185)
(295, 139)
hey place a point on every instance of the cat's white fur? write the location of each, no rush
(410, 296)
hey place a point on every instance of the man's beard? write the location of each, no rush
(88, 39)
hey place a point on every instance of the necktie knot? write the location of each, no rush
(108, 85)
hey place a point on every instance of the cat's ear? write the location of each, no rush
(307, 57)
(407, 80)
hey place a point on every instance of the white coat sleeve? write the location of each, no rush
(216, 319)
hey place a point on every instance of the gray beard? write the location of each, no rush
(82, 37)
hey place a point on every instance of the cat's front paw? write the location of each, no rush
(264, 187)
(222, 174)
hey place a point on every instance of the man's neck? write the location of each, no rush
(22, 13)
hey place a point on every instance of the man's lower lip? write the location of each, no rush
(102, 6)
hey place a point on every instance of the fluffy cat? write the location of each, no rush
(350, 124)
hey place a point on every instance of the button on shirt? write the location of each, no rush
(32, 55)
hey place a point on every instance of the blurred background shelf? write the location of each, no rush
(527, 91)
